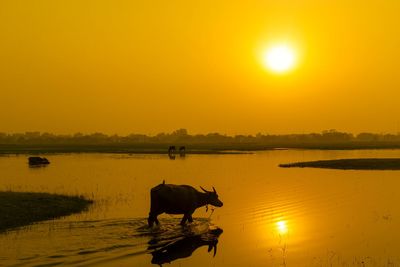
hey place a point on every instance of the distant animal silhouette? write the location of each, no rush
(171, 150)
(38, 161)
(182, 151)
(179, 199)
(185, 247)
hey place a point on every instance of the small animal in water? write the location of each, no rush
(179, 199)
(38, 161)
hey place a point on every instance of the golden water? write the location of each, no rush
(271, 216)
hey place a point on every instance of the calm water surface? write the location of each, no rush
(271, 216)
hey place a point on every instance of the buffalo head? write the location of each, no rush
(212, 197)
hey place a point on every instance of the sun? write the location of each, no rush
(279, 58)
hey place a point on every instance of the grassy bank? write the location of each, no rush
(350, 164)
(20, 208)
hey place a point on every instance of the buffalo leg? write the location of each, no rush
(152, 219)
(185, 217)
(190, 219)
(156, 208)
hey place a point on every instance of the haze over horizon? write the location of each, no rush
(139, 67)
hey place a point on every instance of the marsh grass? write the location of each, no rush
(349, 164)
(23, 208)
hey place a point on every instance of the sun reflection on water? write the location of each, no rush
(281, 226)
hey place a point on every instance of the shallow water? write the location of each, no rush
(271, 216)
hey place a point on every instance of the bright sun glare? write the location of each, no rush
(281, 227)
(279, 59)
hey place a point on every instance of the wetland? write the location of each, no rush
(271, 216)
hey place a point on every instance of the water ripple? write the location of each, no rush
(89, 242)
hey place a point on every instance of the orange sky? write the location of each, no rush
(155, 66)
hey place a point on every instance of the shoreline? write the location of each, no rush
(163, 150)
(391, 164)
(24, 208)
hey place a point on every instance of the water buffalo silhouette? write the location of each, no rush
(179, 199)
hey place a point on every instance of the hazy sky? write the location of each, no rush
(155, 66)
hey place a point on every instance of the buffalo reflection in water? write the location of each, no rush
(184, 247)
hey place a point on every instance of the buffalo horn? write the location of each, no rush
(204, 189)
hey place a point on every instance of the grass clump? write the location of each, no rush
(23, 208)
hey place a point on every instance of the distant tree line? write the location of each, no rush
(182, 137)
